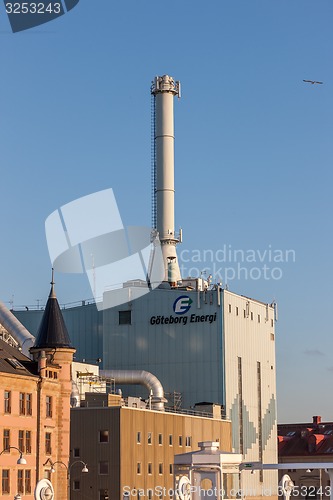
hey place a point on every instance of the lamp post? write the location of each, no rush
(20, 461)
(68, 468)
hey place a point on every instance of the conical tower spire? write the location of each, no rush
(52, 331)
(52, 292)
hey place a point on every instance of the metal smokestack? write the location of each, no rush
(164, 88)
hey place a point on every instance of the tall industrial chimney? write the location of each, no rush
(164, 88)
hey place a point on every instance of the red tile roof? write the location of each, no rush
(305, 440)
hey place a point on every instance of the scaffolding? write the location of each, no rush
(90, 382)
(8, 338)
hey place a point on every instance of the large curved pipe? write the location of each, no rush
(141, 377)
(16, 329)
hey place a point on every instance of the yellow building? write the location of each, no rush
(130, 451)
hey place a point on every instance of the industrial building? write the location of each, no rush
(204, 343)
(130, 450)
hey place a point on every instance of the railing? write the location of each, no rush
(68, 305)
(103, 403)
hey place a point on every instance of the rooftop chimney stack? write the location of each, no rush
(164, 88)
(316, 420)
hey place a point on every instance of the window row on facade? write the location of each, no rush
(103, 437)
(103, 468)
(25, 404)
(248, 314)
(23, 442)
(23, 482)
(187, 441)
(150, 468)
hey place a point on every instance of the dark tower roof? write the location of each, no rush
(52, 331)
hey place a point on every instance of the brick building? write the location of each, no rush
(307, 442)
(35, 407)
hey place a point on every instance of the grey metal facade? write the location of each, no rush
(84, 325)
(184, 350)
(211, 346)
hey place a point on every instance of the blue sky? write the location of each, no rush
(253, 150)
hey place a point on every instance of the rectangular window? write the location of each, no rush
(150, 468)
(125, 317)
(104, 468)
(170, 468)
(28, 441)
(21, 443)
(230, 308)
(160, 468)
(188, 441)
(22, 403)
(7, 401)
(244, 313)
(138, 468)
(48, 401)
(150, 438)
(252, 316)
(272, 336)
(76, 453)
(138, 437)
(48, 448)
(180, 440)
(76, 485)
(160, 439)
(6, 440)
(5, 481)
(170, 440)
(103, 436)
(28, 482)
(20, 485)
(28, 400)
(237, 311)
(272, 322)
(258, 318)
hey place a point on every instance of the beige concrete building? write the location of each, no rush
(131, 450)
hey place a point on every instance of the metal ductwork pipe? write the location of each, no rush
(16, 329)
(140, 377)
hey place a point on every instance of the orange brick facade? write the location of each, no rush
(34, 417)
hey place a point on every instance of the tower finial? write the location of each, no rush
(52, 292)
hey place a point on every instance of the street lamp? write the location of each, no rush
(21, 460)
(68, 468)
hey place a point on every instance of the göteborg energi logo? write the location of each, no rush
(182, 305)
